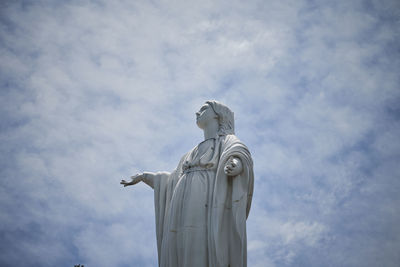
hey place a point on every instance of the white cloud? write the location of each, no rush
(96, 91)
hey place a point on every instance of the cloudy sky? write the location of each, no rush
(96, 91)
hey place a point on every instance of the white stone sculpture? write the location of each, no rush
(202, 206)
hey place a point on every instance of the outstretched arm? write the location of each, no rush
(146, 177)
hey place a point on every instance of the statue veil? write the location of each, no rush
(225, 117)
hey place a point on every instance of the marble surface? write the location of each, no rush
(201, 207)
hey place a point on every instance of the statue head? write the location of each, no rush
(214, 110)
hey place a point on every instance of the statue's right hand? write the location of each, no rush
(135, 179)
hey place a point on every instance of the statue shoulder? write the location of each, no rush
(231, 144)
(231, 139)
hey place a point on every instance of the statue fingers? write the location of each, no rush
(227, 169)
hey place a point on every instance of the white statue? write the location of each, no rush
(202, 206)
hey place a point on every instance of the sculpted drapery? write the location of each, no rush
(201, 209)
(223, 209)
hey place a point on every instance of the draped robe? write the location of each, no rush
(201, 212)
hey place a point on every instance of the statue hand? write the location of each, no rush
(233, 166)
(135, 179)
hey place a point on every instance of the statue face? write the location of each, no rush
(205, 115)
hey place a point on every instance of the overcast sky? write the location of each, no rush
(96, 91)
